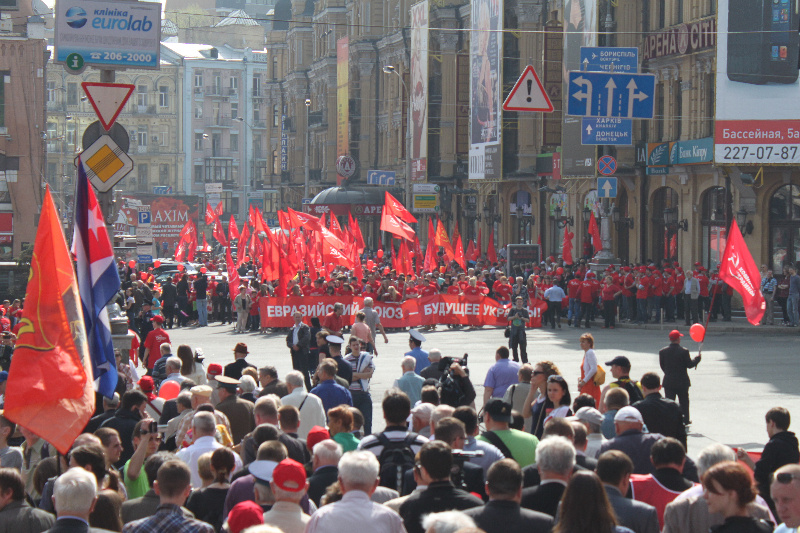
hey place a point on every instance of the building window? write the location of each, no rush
(163, 174)
(258, 142)
(141, 95)
(72, 93)
(256, 86)
(234, 142)
(234, 110)
(716, 215)
(51, 91)
(163, 96)
(141, 136)
(274, 68)
(198, 142)
(52, 134)
(198, 111)
(234, 81)
(164, 137)
(276, 163)
(198, 78)
(198, 174)
(256, 114)
(70, 135)
(276, 116)
(144, 178)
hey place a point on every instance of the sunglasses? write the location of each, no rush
(784, 478)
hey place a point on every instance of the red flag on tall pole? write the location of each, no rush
(458, 249)
(491, 253)
(50, 387)
(594, 231)
(738, 270)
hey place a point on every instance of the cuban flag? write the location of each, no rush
(98, 282)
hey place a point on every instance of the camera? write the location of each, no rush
(457, 471)
(446, 362)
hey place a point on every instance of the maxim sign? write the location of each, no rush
(679, 40)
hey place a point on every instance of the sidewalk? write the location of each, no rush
(737, 325)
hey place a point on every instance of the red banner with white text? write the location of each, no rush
(440, 309)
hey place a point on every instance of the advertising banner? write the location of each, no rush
(168, 215)
(757, 89)
(580, 29)
(660, 156)
(342, 100)
(486, 48)
(419, 91)
(440, 309)
(116, 34)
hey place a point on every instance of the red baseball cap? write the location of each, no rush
(316, 435)
(290, 476)
(214, 369)
(243, 515)
(675, 335)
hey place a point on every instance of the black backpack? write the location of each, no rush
(396, 459)
(634, 393)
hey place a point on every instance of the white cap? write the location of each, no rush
(262, 470)
(588, 414)
(628, 414)
(334, 339)
(416, 335)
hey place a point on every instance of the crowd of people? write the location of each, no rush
(197, 447)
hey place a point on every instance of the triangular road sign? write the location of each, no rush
(107, 99)
(528, 94)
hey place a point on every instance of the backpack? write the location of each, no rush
(396, 459)
(634, 392)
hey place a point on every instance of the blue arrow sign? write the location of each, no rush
(602, 130)
(610, 59)
(602, 94)
(607, 187)
(380, 177)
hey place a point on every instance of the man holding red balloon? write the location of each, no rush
(675, 362)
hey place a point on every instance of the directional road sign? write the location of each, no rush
(610, 59)
(380, 177)
(107, 99)
(105, 163)
(603, 94)
(602, 130)
(606, 165)
(607, 187)
(528, 94)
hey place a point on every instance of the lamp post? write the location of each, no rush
(308, 138)
(390, 69)
(745, 226)
(246, 164)
(619, 221)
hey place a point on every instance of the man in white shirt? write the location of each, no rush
(173, 368)
(310, 406)
(358, 476)
(204, 427)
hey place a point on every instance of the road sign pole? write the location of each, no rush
(106, 199)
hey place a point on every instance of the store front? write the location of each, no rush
(665, 225)
(717, 214)
(784, 227)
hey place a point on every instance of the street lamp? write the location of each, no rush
(745, 226)
(564, 221)
(671, 219)
(390, 69)
(587, 215)
(308, 137)
(619, 221)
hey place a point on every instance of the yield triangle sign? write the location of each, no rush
(528, 94)
(107, 99)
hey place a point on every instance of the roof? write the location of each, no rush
(168, 27)
(237, 17)
(359, 195)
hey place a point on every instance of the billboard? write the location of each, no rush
(485, 50)
(342, 100)
(757, 89)
(580, 29)
(419, 91)
(168, 215)
(119, 34)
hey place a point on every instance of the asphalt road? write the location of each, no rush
(741, 376)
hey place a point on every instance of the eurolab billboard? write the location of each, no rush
(111, 35)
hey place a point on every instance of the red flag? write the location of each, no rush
(180, 251)
(566, 246)
(403, 259)
(298, 219)
(738, 270)
(673, 246)
(322, 221)
(50, 387)
(219, 233)
(218, 210)
(393, 207)
(233, 231)
(459, 249)
(594, 231)
(395, 226)
(417, 255)
(258, 222)
(233, 274)
(335, 228)
(355, 229)
(241, 246)
(210, 214)
(430, 248)
(441, 239)
(206, 246)
(491, 253)
(333, 255)
(470, 250)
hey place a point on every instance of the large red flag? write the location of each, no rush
(594, 231)
(458, 250)
(210, 214)
(219, 233)
(443, 240)
(491, 253)
(50, 384)
(206, 246)
(430, 248)
(218, 210)
(566, 246)
(393, 207)
(233, 231)
(298, 219)
(738, 270)
(355, 229)
(470, 250)
(335, 228)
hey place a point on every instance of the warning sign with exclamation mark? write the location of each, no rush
(528, 94)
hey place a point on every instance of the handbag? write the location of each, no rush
(599, 376)
(507, 332)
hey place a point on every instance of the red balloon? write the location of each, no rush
(370, 264)
(156, 263)
(131, 263)
(202, 270)
(380, 253)
(697, 332)
(169, 390)
(181, 267)
(143, 275)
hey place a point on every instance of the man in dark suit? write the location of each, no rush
(660, 414)
(270, 384)
(299, 341)
(75, 493)
(614, 469)
(324, 467)
(675, 362)
(502, 513)
(169, 295)
(555, 459)
(234, 370)
(432, 371)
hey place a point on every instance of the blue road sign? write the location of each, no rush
(162, 189)
(607, 187)
(604, 94)
(380, 177)
(145, 259)
(610, 59)
(144, 217)
(607, 165)
(602, 130)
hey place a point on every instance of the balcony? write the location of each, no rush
(218, 122)
(259, 124)
(233, 93)
(198, 92)
(213, 90)
(318, 119)
(219, 153)
(143, 110)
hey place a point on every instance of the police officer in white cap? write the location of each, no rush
(343, 370)
(262, 475)
(415, 343)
